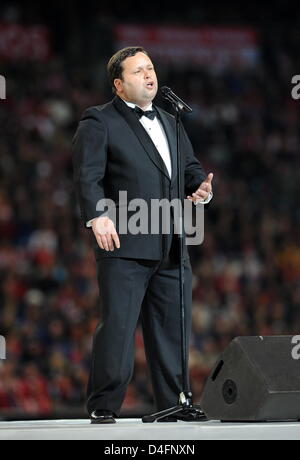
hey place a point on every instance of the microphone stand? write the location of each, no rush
(185, 403)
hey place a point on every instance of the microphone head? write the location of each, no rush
(165, 90)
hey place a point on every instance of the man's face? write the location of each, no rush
(139, 81)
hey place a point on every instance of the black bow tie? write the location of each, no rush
(147, 113)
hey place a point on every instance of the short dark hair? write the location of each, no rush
(115, 67)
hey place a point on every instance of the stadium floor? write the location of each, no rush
(134, 429)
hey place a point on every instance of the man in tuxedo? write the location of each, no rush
(129, 145)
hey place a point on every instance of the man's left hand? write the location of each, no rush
(203, 191)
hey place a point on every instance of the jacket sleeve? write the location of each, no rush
(89, 163)
(194, 174)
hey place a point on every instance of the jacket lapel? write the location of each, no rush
(141, 134)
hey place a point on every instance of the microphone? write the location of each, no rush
(172, 97)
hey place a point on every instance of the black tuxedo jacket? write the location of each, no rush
(112, 153)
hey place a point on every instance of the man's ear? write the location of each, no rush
(118, 84)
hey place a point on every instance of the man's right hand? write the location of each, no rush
(105, 233)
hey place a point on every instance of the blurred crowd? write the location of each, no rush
(245, 129)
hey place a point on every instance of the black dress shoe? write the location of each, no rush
(102, 416)
(187, 415)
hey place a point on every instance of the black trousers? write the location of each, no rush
(129, 289)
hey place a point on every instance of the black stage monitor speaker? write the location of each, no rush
(255, 379)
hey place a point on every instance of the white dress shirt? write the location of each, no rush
(156, 132)
(158, 136)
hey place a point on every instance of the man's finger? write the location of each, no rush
(200, 194)
(110, 242)
(192, 198)
(104, 242)
(206, 187)
(116, 240)
(99, 242)
(209, 178)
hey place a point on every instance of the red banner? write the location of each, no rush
(213, 46)
(24, 43)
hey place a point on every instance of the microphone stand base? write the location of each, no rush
(185, 411)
